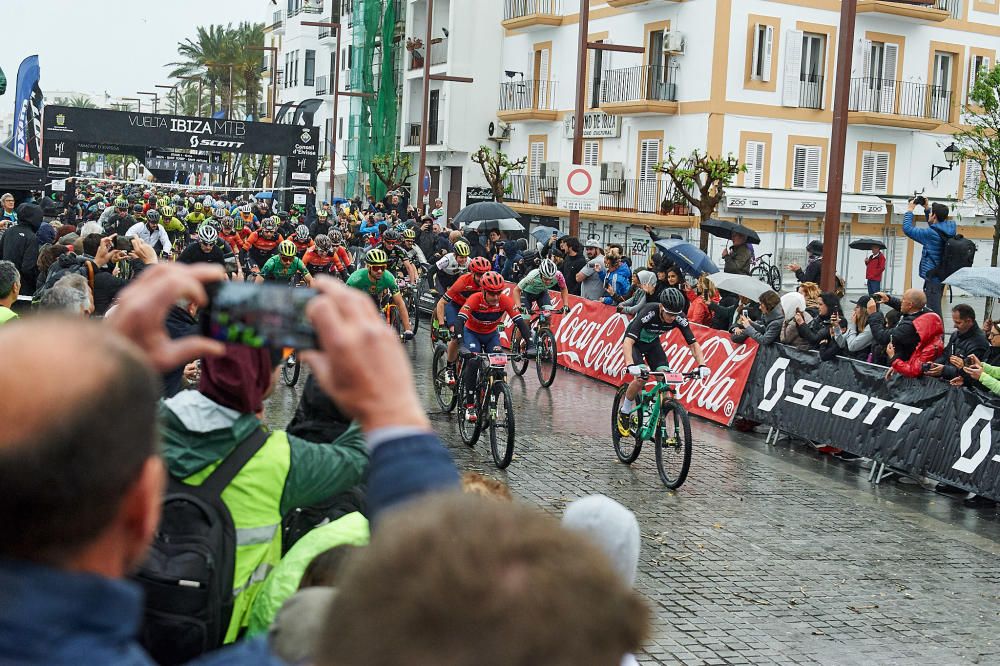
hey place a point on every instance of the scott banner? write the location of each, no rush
(590, 336)
(919, 426)
(28, 75)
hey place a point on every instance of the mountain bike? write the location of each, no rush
(445, 393)
(290, 368)
(658, 417)
(544, 340)
(494, 407)
(411, 298)
(765, 271)
(391, 313)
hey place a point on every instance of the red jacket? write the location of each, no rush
(875, 266)
(931, 345)
(698, 312)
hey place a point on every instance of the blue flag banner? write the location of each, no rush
(27, 81)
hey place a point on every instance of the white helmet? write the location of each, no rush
(548, 269)
(208, 234)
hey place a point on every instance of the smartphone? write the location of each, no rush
(123, 243)
(258, 315)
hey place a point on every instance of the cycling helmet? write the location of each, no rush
(548, 269)
(673, 301)
(323, 244)
(198, 206)
(237, 223)
(376, 257)
(167, 211)
(409, 234)
(146, 194)
(391, 237)
(121, 203)
(246, 209)
(137, 208)
(492, 282)
(321, 213)
(162, 202)
(268, 225)
(101, 206)
(462, 249)
(219, 212)
(336, 237)
(286, 248)
(227, 223)
(215, 222)
(302, 233)
(207, 234)
(480, 265)
(176, 200)
(152, 216)
(281, 215)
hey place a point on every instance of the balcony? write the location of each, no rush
(277, 23)
(323, 86)
(531, 14)
(627, 195)
(528, 100)
(640, 90)
(889, 103)
(435, 134)
(633, 3)
(439, 54)
(305, 9)
(327, 33)
(933, 11)
(811, 91)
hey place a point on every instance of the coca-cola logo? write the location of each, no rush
(723, 356)
(593, 344)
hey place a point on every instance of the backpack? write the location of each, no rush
(188, 574)
(958, 252)
(67, 264)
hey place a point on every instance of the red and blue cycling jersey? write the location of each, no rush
(483, 318)
(464, 287)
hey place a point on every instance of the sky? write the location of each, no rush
(117, 46)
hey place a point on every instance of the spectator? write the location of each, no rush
(737, 258)
(890, 320)
(856, 340)
(573, 263)
(810, 291)
(966, 340)
(643, 284)
(450, 552)
(616, 277)
(792, 304)
(627, 260)
(767, 330)
(874, 269)
(818, 332)
(590, 278)
(7, 213)
(46, 257)
(19, 245)
(107, 285)
(814, 269)
(933, 239)
(10, 287)
(705, 294)
(915, 340)
(992, 332)
(984, 373)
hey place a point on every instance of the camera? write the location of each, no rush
(123, 243)
(920, 200)
(925, 367)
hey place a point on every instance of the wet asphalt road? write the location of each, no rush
(766, 555)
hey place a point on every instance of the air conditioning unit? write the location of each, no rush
(499, 131)
(673, 42)
(549, 170)
(612, 171)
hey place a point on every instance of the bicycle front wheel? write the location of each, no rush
(673, 444)
(547, 362)
(446, 394)
(501, 423)
(627, 448)
(521, 366)
(415, 293)
(774, 275)
(290, 370)
(395, 321)
(470, 431)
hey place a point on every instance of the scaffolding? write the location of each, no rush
(372, 126)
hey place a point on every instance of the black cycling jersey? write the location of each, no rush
(648, 325)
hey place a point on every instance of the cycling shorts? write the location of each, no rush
(542, 298)
(650, 353)
(481, 342)
(451, 313)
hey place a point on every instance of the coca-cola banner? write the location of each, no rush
(590, 337)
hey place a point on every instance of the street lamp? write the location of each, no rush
(952, 155)
(156, 99)
(273, 51)
(174, 88)
(200, 84)
(138, 102)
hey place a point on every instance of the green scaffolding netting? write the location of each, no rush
(372, 125)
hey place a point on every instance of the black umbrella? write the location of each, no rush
(726, 229)
(865, 244)
(484, 210)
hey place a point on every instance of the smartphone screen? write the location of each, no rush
(258, 315)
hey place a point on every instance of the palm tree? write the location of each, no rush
(209, 46)
(246, 63)
(80, 102)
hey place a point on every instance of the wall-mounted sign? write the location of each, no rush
(596, 125)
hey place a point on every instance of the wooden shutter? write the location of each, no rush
(543, 94)
(881, 173)
(754, 160)
(536, 155)
(791, 87)
(649, 157)
(768, 48)
(874, 172)
(867, 171)
(590, 77)
(591, 153)
(806, 168)
(889, 56)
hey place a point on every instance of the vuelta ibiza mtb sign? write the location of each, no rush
(201, 133)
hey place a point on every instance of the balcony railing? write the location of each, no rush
(644, 83)
(439, 54)
(277, 20)
(618, 194)
(527, 95)
(517, 8)
(811, 91)
(953, 7)
(901, 98)
(322, 86)
(435, 134)
(305, 9)
(325, 33)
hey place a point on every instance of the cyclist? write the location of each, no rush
(152, 232)
(284, 266)
(231, 235)
(322, 258)
(642, 342)
(195, 218)
(302, 240)
(322, 224)
(399, 260)
(261, 245)
(285, 226)
(476, 330)
(376, 280)
(118, 222)
(413, 251)
(448, 305)
(534, 287)
(207, 249)
(451, 265)
(337, 238)
(246, 214)
(175, 228)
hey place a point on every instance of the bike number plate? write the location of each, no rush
(498, 360)
(673, 378)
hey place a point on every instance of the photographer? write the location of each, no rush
(933, 239)
(968, 340)
(765, 330)
(819, 332)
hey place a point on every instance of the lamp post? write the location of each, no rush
(138, 102)
(156, 99)
(230, 96)
(952, 155)
(200, 84)
(174, 88)
(273, 93)
(336, 96)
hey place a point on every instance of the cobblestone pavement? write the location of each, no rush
(766, 555)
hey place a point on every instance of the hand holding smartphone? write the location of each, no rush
(258, 315)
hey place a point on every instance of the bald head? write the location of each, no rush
(72, 445)
(913, 300)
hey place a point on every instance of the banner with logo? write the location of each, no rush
(28, 75)
(590, 337)
(919, 426)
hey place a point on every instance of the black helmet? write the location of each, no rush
(673, 301)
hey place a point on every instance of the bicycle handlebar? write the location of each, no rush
(645, 373)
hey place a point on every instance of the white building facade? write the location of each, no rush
(753, 78)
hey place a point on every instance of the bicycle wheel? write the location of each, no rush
(470, 431)
(774, 275)
(626, 448)
(547, 362)
(673, 444)
(290, 370)
(501, 424)
(519, 367)
(447, 395)
(760, 272)
(396, 321)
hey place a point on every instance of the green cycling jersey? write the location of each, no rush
(273, 269)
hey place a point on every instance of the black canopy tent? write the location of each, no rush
(16, 174)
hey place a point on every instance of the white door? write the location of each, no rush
(754, 161)
(941, 86)
(536, 155)
(811, 71)
(647, 192)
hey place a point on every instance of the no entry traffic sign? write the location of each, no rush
(579, 187)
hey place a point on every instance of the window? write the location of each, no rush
(811, 71)
(536, 156)
(941, 87)
(596, 68)
(754, 160)
(806, 167)
(310, 69)
(977, 63)
(763, 44)
(973, 176)
(591, 153)
(878, 90)
(328, 139)
(649, 157)
(874, 172)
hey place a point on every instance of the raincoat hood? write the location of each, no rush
(611, 526)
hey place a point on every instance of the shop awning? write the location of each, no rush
(740, 199)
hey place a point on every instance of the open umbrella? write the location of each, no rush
(865, 244)
(687, 257)
(976, 281)
(542, 234)
(264, 195)
(726, 229)
(484, 210)
(742, 285)
(503, 224)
